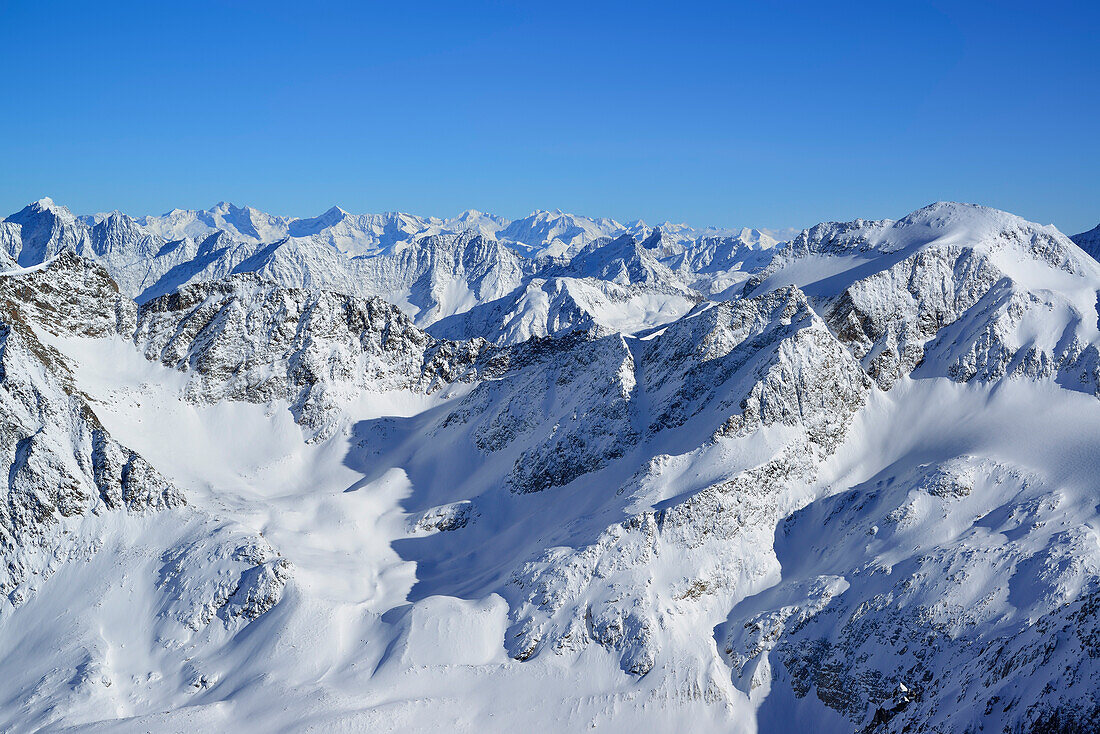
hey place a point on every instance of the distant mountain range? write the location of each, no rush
(432, 269)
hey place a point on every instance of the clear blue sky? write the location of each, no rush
(724, 113)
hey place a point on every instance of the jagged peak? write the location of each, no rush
(546, 215)
(476, 215)
(460, 238)
(331, 216)
(116, 224)
(625, 243)
(46, 205)
(657, 236)
(115, 217)
(540, 215)
(42, 211)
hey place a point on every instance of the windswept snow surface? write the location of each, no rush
(628, 478)
(344, 650)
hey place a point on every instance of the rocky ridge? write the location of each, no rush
(717, 498)
(74, 491)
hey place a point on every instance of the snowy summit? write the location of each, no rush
(386, 472)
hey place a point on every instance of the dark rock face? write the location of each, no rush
(62, 466)
(934, 621)
(66, 474)
(726, 371)
(72, 295)
(245, 338)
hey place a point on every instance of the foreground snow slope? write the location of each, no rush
(856, 492)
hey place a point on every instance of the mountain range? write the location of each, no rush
(388, 472)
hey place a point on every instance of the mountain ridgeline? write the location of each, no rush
(392, 472)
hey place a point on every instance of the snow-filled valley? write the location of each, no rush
(393, 473)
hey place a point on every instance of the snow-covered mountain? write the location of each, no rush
(558, 234)
(547, 306)
(430, 268)
(960, 291)
(244, 223)
(365, 472)
(1089, 241)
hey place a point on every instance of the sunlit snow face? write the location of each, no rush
(849, 474)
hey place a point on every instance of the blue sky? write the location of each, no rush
(731, 114)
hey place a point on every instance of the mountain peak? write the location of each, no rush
(664, 465)
(46, 204)
(333, 215)
(468, 215)
(116, 218)
(38, 208)
(950, 212)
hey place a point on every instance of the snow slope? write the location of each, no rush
(853, 490)
(558, 305)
